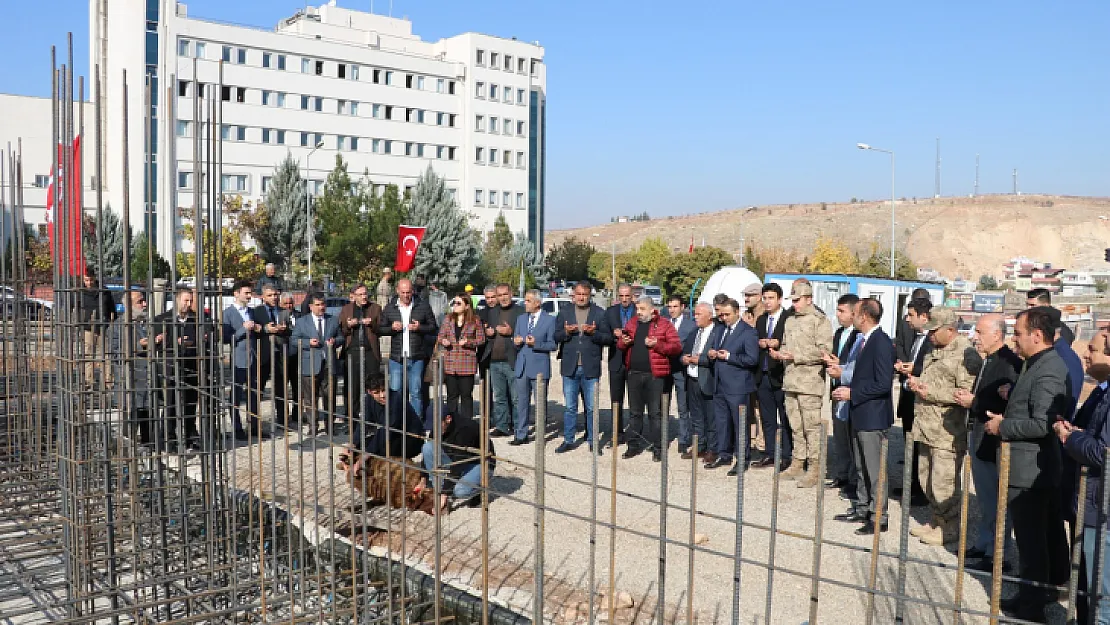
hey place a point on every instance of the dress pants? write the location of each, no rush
(985, 477)
(685, 428)
(359, 363)
(645, 394)
(726, 420)
(842, 458)
(617, 383)
(1101, 586)
(460, 395)
(181, 405)
(284, 376)
(867, 446)
(317, 390)
(772, 412)
(246, 387)
(524, 387)
(1041, 540)
(701, 416)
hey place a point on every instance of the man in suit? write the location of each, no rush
(871, 411)
(242, 331)
(617, 317)
(273, 344)
(317, 337)
(684, 326)
(734, 358)
(177, 367)
(411, 323)
(910, 360)
(132, 352)
(841, 463)
(1039, 398)
(578, 333)
(358, 321)
(534, 337)
(904, 334)
(769, 327)
(649, 343)
(997, 374)
(286, 362)
(700, 383)
(1041, 297)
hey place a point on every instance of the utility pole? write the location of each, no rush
(1015, 181)
(936, 190)
(976, 193)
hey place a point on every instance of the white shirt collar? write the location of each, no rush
(867, 335)
(1104, 385)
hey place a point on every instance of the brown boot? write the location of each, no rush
(937, 534)
(810, 479)
(796, 469)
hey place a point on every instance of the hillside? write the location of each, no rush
(958, 236)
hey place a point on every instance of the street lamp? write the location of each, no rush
(864, 146)
(309, 230)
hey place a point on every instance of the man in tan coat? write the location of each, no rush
(807, 337)
(940, 423)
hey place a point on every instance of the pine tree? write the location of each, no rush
(111, 236)
(343, 243)
(523, 251)
(450, 252)
(141, 261)
(277, 224)
(495, 252)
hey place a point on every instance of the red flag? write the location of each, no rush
(691, 245)
(69, 197)
(408, 240)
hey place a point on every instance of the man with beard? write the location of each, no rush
(358, 321)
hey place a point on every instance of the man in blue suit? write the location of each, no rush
(684, 325)
(243, 332)
(870, 411)
(700, 383)
(317, 336)
(578, 332)
(734, 357)
(534, 337)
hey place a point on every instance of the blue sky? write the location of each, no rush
(676, 108)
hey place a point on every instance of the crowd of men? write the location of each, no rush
(720, 362)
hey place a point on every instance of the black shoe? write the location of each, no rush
(835, 482)
(516, 442)
(718, 463)
(631, 452)
(736, 469)
(764, 462)
(622, 439)
(1018, 608)
(656, 455)
(847, 495)
(851, 516)
(241, 435)
(564, 448)
(684, 451)
(496, 433)
(983, 565)
(868, 529)
(974, 553)
(918, 500)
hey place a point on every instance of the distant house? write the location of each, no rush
(1082, 283)
(1027, 274)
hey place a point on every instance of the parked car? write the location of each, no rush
(335, 304)
(553, 305)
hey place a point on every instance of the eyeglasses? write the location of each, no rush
(456, 303)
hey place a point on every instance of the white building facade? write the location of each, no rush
(356, 84)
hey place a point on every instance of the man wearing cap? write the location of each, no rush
(807, 337)
(753, 303)
(940, 423)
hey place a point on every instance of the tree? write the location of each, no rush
(753, 262)
(111, 237)
(386, 214)
(495, 260)
(343, 243)
(234, 260)
(829, 256)
(601, 268)
(1100, 286)
(450, 252)
(277, 224)
(523, 251)
(878, 264)
(143, 264)
(988, 283)
(652, 255)
(685, 270)
(570, 259)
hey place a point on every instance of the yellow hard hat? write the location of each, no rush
(469, 288)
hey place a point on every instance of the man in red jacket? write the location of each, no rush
(648, 342)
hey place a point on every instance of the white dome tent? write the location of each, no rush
(731, 281)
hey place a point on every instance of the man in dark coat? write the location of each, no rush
(616, 318)
(177, 335)
(577, 331)
(409, 320)
(911, 351)
(133, 352)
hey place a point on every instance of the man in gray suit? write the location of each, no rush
(1038, 399)
(684, 325)
(136, 354)
(699, 381)
(534, 337)
(242, 332)
(317, 337)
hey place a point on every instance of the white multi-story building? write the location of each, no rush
(356, 84)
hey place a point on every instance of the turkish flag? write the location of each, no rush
(66, 198)
(408, 240)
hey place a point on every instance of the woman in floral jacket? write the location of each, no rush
(460, 337)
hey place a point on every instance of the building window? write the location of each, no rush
(408, 148)
(508, 63)
(341, 106)
(520, 200)
(439, 119)
(226, 56)
(354, 108)
(493, 198)
(266, 135)
(388, 112)
(184, 180)
(306, 66)
(281, 61)
(450, 153)
(408, 81)
(493, 92)
(354, 144)
(240, 94)
(520, 66)
(183, 47)
(408, 114)
(520, 128)
(520, 96)
(225, 93)
(478, 195)
(376, 76)
(42, 181)
(234, 182)
(493, 156)
(479, 89)
(266, 180)
(304, 103)
(507, 95)
(439, 85)
(493, 59)
(420, 116)
(241, 56)
(479, 155)
(354, 72)
(319, 68)
(508, 127)
(493, 125)
(281, 100)
(440, 152)
(183, 128)
(480, 58)
(183, 88)
(266, 59)
(506, 198)
(506, 158)
(389, 78)
(451, 120)
(341, 70)
(388, 146)
(420, 150)
(451, 87)
(535, 63)
(420, 83)
(319, 106)
(479, 123)
(200, 49)
(520, 159)
(376, 111)
(280, 137)
(376, 146)
(267, 98)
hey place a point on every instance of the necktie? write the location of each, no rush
(273, 318)
(770, 326)
(531, 323)
(697, 342)
(320, 326)
(862, 344)
(724, 337)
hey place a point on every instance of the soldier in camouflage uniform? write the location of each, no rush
(807, 337)
(940, 423)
